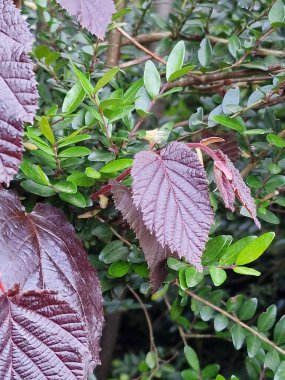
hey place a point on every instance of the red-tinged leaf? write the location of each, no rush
(154, 253)
(40, 251)
(229, 146)
(94, 15)
(18, 88)
(171, 190)
(235, 188)
(42, 337)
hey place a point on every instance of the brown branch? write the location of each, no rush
(18, 3)
(114, 42)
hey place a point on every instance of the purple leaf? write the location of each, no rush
(230, 146)
(235, 187)
(154, 253)
(171, 191)
(18, 87)
(40, 251)
(94, 15)
(42, 338)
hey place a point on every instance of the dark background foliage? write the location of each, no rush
(244, 49)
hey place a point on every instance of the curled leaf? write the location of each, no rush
(40, 251)
(94, 15)
(233, 188)
(18, 88)
(42, 337)
(171, 191)
(154, 253)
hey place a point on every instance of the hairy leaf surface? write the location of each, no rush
(41, 337)
(155, 254)
(94, 15)
(18, 88)
(40, 251)
(171, 191)
(234, 188)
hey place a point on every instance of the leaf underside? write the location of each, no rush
(230, 146)
(171, 191)
(94, 15)
(42, 338)
(18, 87)
(235, 188)
(154, 253)
(40, 251)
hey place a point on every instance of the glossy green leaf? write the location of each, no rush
(180, 73)
(35, 188)
(246, 271)
(254, 249)
(116, 165)
(78, 151)
(267, 319)
(279, 331)
(106, 78)
(64, 187)
(218, 275)
(192, 358)
(220, 322)
(248, 309)
(46, 130)
(275, 140)
(175, 59)
(77, 199)
(193, 277)
(230, 255)
(85, 83)
(214, 249)
(276, 14)
(92, 173)
(118, 269)
(113, 252)
(152, 79)
(74, 97)
(205, 53)
(238, 336)
(226, 121)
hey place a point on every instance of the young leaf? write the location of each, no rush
(116, 165)
(255, 249)
(155, 254)
(73, 98)
(18, 93)
(46, 130)
(192, 277)
(205, 53)
(51, 258)
(247, 271)
(175, 59)
(218, 275)
(152, 79)
(106, 78)
(171, 192)
(50, 325)
(229, 122)
(95, 16)
(233, 187)
(192, 358)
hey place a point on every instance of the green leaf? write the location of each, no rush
(113, 252)
(205, 53)
(92, 173)
(255, 249)
(81, 179)
(175, 59)
(272, 360)
(78, 151)
(152, 79)
(253, 344)
(192, 358)
(247, 271)
(189, 374)
(274, 182)
(77, 199)
(46, 130)
(238, 336)
(151, 360)
(268, 216)
(73, 140)
(180, 73)
(175, 264)
(85, 83)
(234, 45)
(116, 165)
(64, 187)
(34, 172)
(119, 269)
(218, 275)
(210, 371)
(35, 188)
(106, 78)
(226, 121)
(220, 322)
(276, 140)
(248, 309)
(276, 14)
(280, 373)
(279, 331)
(74, 97)
(214, 249)
(193, 277)
(267, 319)
(229, 257)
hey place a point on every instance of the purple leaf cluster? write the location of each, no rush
(170, 209)
(18, 87)
(233, 186)
(40, 252)
(94, 15)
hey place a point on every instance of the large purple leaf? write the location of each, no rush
(18, 88)
(154, 253)
(42, 337)
(40, 251)
(234, 187)
(94, 15)
(171, 191)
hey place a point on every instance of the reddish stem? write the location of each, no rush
(2, 287)
(105, 189)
